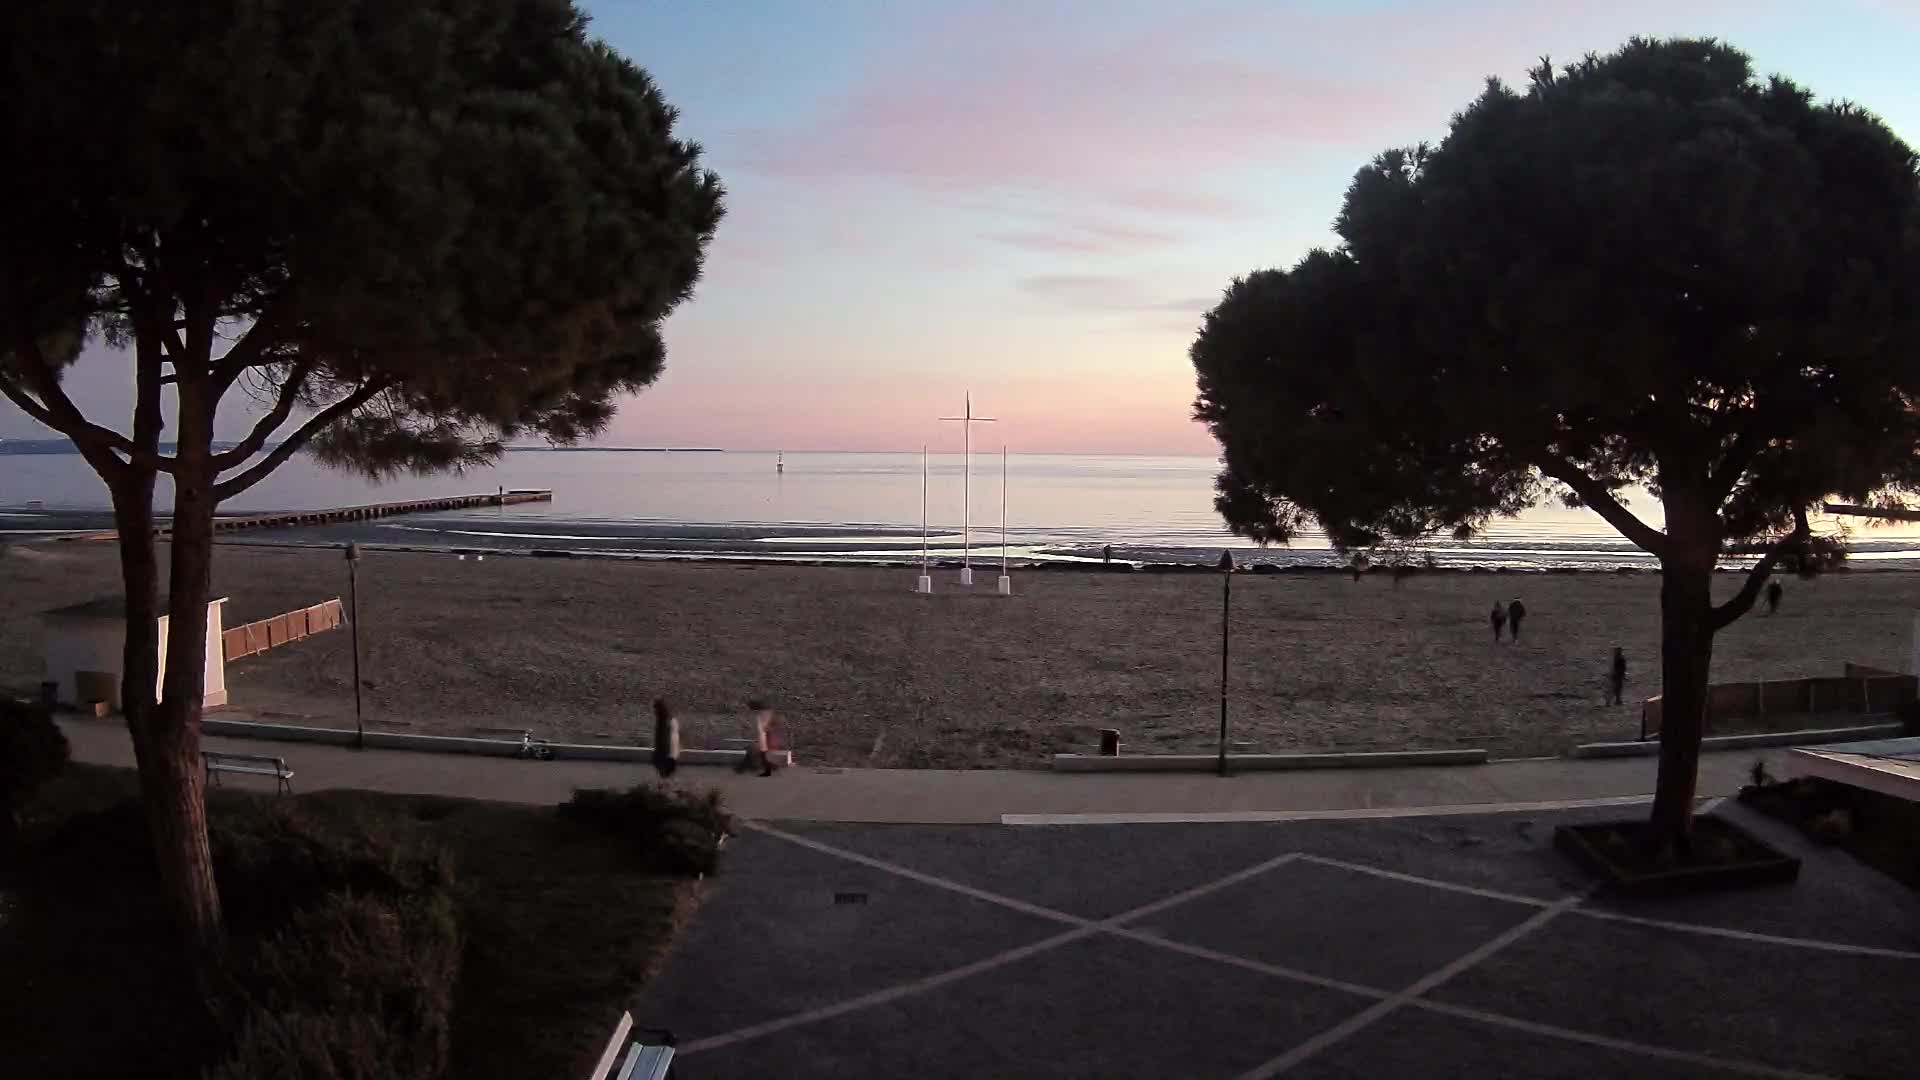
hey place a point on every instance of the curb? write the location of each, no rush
(1804, 737)
(1382, 759)
(453, 744)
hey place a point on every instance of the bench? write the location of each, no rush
(248, 765)
(630, 1058)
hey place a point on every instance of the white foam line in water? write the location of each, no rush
(1351, 814)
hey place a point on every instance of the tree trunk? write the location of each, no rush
(170, 776)
(1686, 651)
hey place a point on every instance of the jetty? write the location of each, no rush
(342, 514)
(1886, 513)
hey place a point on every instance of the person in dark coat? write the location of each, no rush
(1774, 591)
(1617, 677)
(1515, 612)
(1499, 620)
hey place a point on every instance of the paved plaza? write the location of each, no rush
(1414, 947)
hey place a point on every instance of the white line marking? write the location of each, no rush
(1197, 891)
(1261, 966)
(1615, 916)
(915, 875)
(1412, 879)
(891, 993)
(1610, 1043)
(1748, 935)
(1350, 814)
(1709, 806)
(1385, 1001)
(1372, 1014)
(1083, 928)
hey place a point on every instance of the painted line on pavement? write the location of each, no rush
(1590, 912)
(891, 993)
(1350, 814)
(1608, 1042)
(1385, 1001)
(1749, 935)
(914, 875)
(1378, 1011)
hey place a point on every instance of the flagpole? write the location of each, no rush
(1006, 583)
(925, 584)
(966, 498)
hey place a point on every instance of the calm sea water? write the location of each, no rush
(836, 506)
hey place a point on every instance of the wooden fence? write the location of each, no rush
(258, 637)
(1860, 690)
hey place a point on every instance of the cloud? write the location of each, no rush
(1160, 108)
(1085, 236)
(1099, 292)
(1013, 102)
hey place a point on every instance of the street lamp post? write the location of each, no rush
(353, 598)
(1226, 630)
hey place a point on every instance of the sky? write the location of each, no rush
(1035, 202)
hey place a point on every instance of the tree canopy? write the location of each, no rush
(1646, 269)
(421, 228)
(396, 233)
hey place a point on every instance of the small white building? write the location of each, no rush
(85, 646)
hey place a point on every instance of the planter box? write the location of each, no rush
(1611, 852)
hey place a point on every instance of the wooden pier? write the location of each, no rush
(342, 514)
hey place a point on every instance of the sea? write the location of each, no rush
(842, 507)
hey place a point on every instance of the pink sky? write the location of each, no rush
(1036, 202)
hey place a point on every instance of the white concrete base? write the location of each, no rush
(1006, 586)
(1803, 737)
(455, 744)
(1265, 762)
(966, 575)
(923, 585)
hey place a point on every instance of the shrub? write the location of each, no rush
(672, 830)
(33, 751)
(271, 859)
(355, 988)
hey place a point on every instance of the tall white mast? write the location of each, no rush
(1003, 509)
(967, 421)
(1006, 583)
(925, 582)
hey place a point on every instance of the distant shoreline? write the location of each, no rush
(616, 450)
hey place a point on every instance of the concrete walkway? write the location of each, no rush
(931, 796)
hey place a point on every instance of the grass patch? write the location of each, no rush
(559, 925)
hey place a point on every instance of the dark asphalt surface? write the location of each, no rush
(1272, 959)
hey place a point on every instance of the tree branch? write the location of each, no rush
(247, 351)
(263, 430)
(1742, 601)
(1601, 501)
(1746, 446)
(320, 421)
(57, 411)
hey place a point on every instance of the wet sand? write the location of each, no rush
(870, 674)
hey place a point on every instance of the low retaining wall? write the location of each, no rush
(1805, 737)
(1382, 759)
(457, 744)
(290, 626)
(1860, 690)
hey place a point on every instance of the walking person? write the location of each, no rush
(666, 738)
(1515, 612)
(766, 720)
(1617, 677)
(1774, 591)
(1499, 620)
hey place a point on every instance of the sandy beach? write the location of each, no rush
(870, 674)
